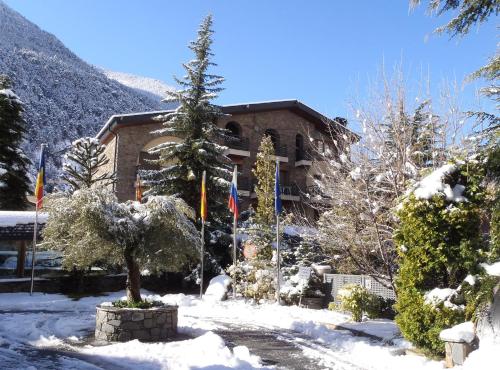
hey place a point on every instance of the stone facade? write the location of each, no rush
(297, 132)
(123, 324)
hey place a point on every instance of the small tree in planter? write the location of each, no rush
(91, 225)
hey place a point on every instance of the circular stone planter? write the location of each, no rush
(123, 324)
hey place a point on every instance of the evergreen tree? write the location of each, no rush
(84, 162)
(467, 14)
(426, 143)
(194, 121)
(440, 243)
(14, 182)
(264, 172)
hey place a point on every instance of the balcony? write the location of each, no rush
(238, 146)
(303, 158)
(290, 192)
(245, 186)
(281, 153)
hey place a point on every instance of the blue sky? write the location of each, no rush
(320, 52)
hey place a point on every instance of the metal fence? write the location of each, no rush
(335, 282)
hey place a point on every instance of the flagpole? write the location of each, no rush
(278, 259)
(39, 197)
(33, 250)
(203, 215)
(277, 208)
(235, 222)
(202, 257)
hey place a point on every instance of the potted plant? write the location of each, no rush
(91, 226)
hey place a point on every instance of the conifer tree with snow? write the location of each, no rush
(264, 172)
(427, 147)
(194, 121)
(467, 14)
(83, 165)
(14, 182)
(440, 243)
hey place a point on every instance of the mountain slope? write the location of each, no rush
(65, 98)
(151, 87)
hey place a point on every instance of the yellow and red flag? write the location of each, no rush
(40, 179)
(138, 189)
(203, 197)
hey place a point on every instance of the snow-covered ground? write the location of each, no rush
(47, 322)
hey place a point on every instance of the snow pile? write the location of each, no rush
(484, 358)
(463, 332)
(206, 351)
(442, 295)
(218, 287)
(434, 184)
(493, 269)
(13, 218)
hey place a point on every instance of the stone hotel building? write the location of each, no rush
(297, 131)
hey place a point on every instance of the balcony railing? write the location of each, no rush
(239, 143)
(303, 155)
(290, 189)
(244, 183)
(281, 151)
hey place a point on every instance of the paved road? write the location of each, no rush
(281, 349)
(284, 349)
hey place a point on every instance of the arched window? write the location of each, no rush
(299, 147)
(234, 128)
(275, 137)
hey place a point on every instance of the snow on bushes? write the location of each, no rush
(90, 226)
(440, 229)
(354, 299)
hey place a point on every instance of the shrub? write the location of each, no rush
(381, 308)
(439, 243)
(356, 300)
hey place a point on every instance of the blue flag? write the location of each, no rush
(277, 190)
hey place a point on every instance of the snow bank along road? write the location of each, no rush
(51, 331)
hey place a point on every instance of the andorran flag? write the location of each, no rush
(40, 179)
(138, 189)
(233, 195)
(203, 207)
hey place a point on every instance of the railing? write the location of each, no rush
(244, 183)
(290, 189)
(281, 151)
(239, 143)
(303, 155)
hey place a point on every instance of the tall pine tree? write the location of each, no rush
(14, 182)
(194, 121)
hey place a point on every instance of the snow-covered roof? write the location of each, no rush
(14, 218)
(292, 104)
(19, 225)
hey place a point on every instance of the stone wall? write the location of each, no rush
(123, 324)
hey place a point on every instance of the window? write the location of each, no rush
(234, 128)
(275, 137)
(299, 147)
